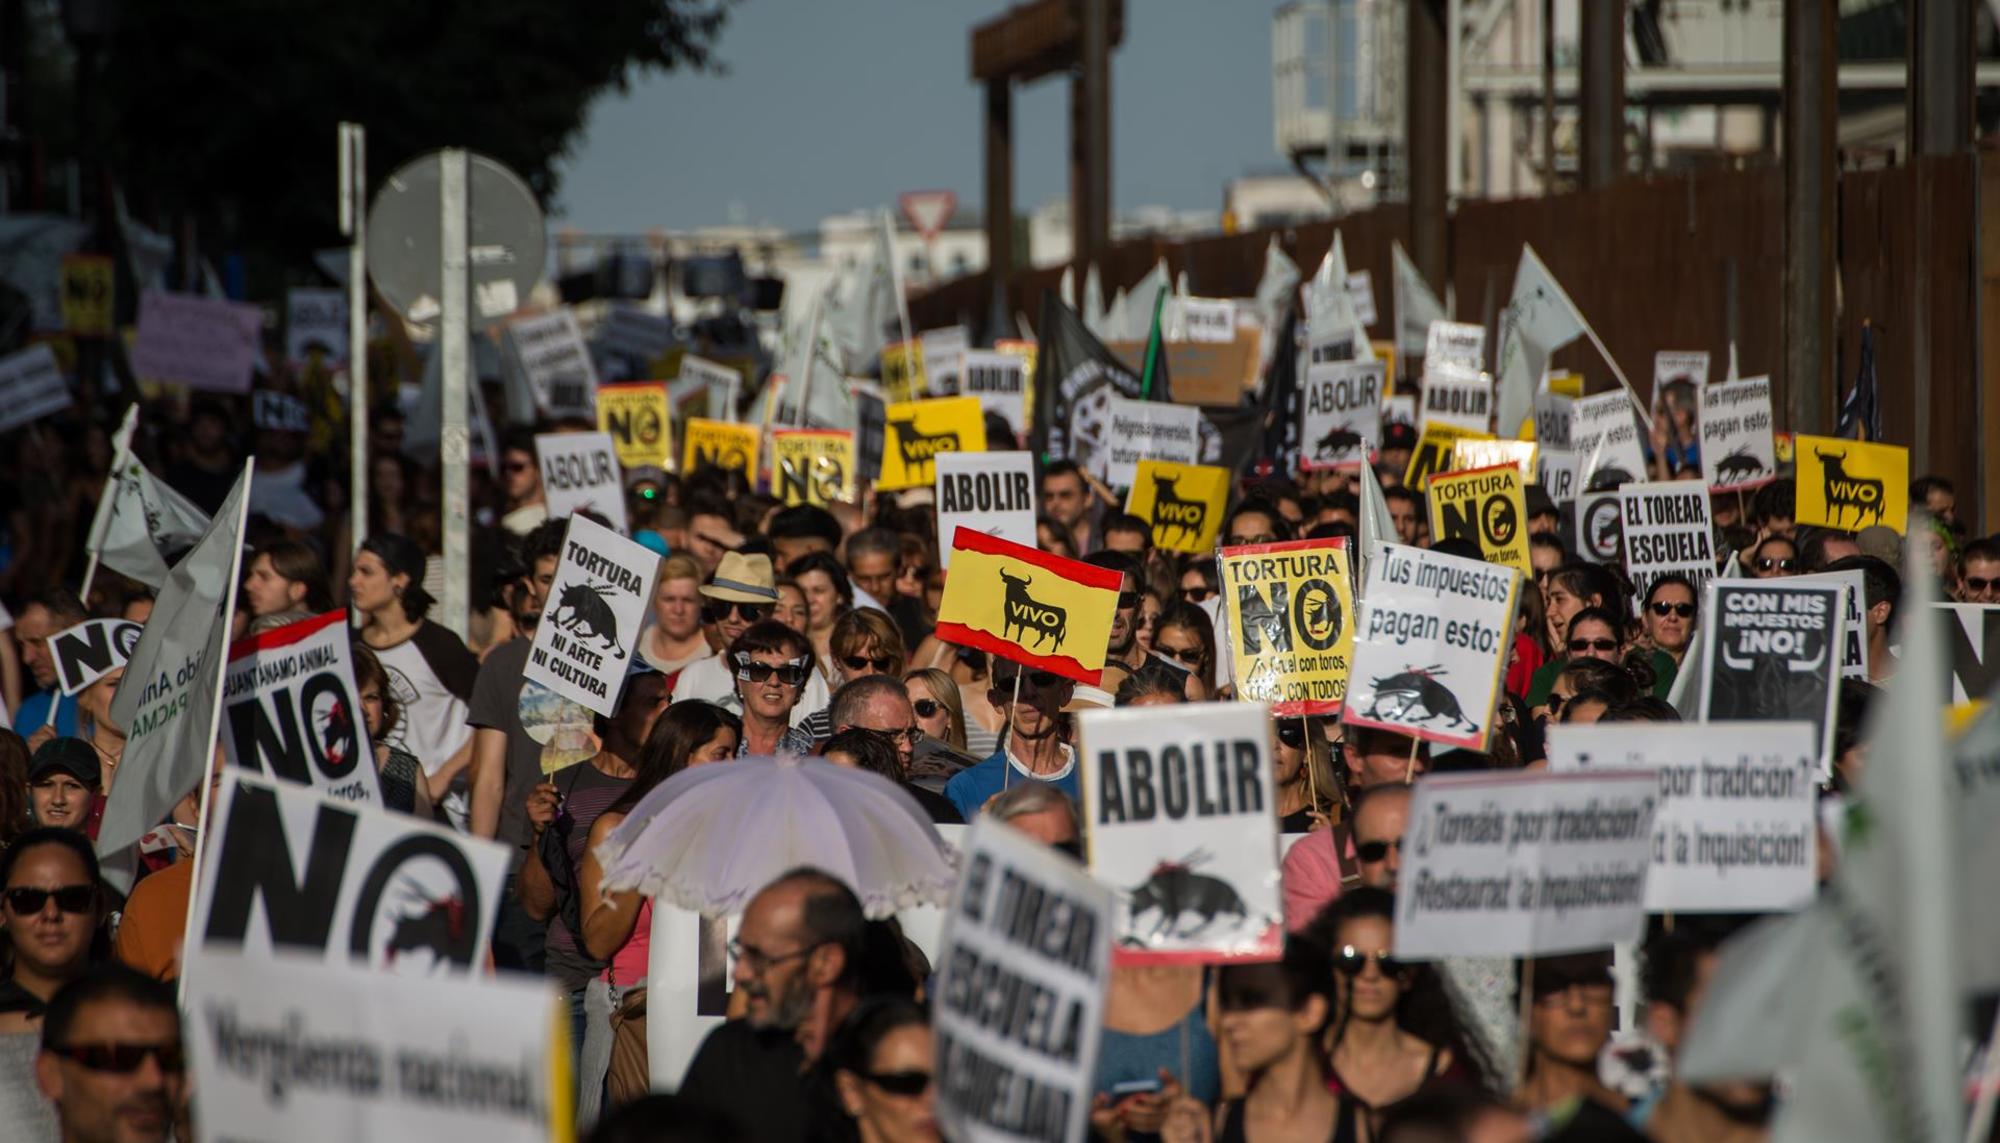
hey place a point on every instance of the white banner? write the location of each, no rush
(1456, 396)
(1361, 295)
(31, 386)
(944, 352)
(1971, 636)
(1340, 413)
(1555, 471)
(316, 319)
(719, 383)
(1148, 430)
(599, 600)
(1736, 447)
(1555, 421)
(1183, 824)
(1525, 864)
(1436, 632)
(580, 471)
(990, 492)
(291, 709)
(1001, 384)
(552, 357)
(1737, 823)
(1455, 343)
(1771, 655)
(1606, 441)
(1666, 529)
(91, 650)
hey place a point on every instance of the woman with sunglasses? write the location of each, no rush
(939, 714)
(1585, 676)
(1302, 766)
(1185, 638)
(1774, 557)
(773, 664)
(742, 595)
(866, 642)
(1147, 618)
(828, 597)
(1668, 617)
(51, 910)
(873, 1082)
(1198, 582)
(1570, 1021)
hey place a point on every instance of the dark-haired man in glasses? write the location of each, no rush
(111, 1058)
(1979, 572)
(521, 484)
(1033, 749)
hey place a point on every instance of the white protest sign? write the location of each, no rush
(315, 321)
(599, 599)
(580, 472)
(280, 412)
(1456, 396)
(1555, 471)
(1435, 635)
(203, 343)
(1183, 825)
(1599, 526)
(1854, 628)
(1736, 447)
(1209, 319)
(1773, 646)
(719, 382)
(288, 1048)
(31, 386)
(1000, 382)
(91, 650)
(292, 869)
(631, 332)
(1666, 529)
(1025, 923)
(291, 709)
(1400, 409)
(1671, 365)
(553, 358)
(944, 359)
(1148, 430)
(1736, 829)
(1340, 413)
(1972, 640)
(1555, 421)
(1455, 343)
(990, 492)
(1605, 438)
(1361, 295)
(1525, 864)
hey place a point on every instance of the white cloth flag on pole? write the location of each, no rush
(1330, 308)
(1375, 527)
(1275, 290)
(171, 697)
(1539, 319)
(861, 322)
(140, 521)
(1416, 306)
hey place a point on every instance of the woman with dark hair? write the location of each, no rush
(429, 671)
(828, 597)
(1668, 617)
(52, 909)
(1185, 638)
(403, 785)
(1154, 684)
(1589, 594)
(1302, 765)
(873, 1083)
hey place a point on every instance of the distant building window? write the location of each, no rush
(959, 263)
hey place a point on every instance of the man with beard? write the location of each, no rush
(799, 964)
(1033, 751)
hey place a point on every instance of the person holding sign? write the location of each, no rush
(1033, 750)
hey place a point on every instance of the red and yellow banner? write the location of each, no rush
(1184, 503)
(1020, 603)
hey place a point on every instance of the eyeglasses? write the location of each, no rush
(1555, 703)
(1577, 646)
(751, 671)
(864, 662)
(1265, 538)
(910, 1083)
(909, 734)
(123, 1059)
(927, 708)
(1192, 656)
(1197, 594)
(717, 610)
(1127, 600)
(1292, 734)
(1030, 681)
(1662, 608)
(760, 961)
(1350, 961)
(26, 902)
(1974, 583)
(1374, 851)
(1765, 563)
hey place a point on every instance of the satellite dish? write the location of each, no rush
(507, 240)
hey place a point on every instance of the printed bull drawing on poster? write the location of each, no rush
(1416, 695)
(583, 611)
(1026, 614)
(1182, 903)
(1844, 492)
(1174, 513)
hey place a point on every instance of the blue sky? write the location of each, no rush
(834, 105)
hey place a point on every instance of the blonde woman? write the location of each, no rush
(940, 713)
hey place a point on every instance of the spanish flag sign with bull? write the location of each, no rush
(1291, 624)
(1040, 610)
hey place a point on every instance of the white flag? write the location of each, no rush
(1539, 319)
(1416, 306)
(862, 321)
(1094, 318)
(1376, 527)
(1331, 307)
(139, 520)
(1275, 290)
(171, 696)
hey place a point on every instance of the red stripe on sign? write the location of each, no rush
(284, 636)
(1339, 542)
(963, 636)
(1309, 708)
(1435, 738)
(1076, 571)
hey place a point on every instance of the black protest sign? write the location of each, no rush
(90, 650)
(291, 709)
(1774, 654)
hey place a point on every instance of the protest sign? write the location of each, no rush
(91, 650)
(812, 466)
(1555, 420)
(1399, 409)
(903, 371)
(990, 492)
(291, 709)
(596, 605)
(1183, 825)
(630, 332)
(1340, 413)
(639, 422)
(89, 300)
(279, 412)
(1361, 295)
(1771, 655)
(1525, 864)
(1736, 446)
(717, 444)
(1000, 382)
(1433, 646)
(1470, 454)
(1020, 603)
(203, 343)
(1147, 430)
(1679, 376)
(1555, 471)
(31, 386)
(1600, 526)
(292, 869)
(1852, 484)
(917, 431)
(1487, 506)
(315, 322)
(1184, 503)
(1208, 319)
(1736, 825)
(1605, 438)
(943, 359)
(550, 353)
(1026, 923)
(286, 1048)
(1666, 529)
(1462, 398)
(1455, 343)
(1854, 627)
(1290, 634)
(580, 472)
(719, 383)
(1972, 642)
(1434, 452)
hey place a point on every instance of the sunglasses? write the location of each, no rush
(1555, 704)
(1374, 851)
(1197, 594)
(1292, 734)
(927, 708)
(1003, 685)
(1580, 645)
(864, 662)
(1350, 961)
(123, 1059)
(1768, 564)
(27, 902)
(1127, 600)
(909, 734)
(1662, 608)
(1974, 583)
(717, 610)
(790, 674)
(910, 1083)
(1192, 656)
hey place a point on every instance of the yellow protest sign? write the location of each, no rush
(914, 432)
(1291, 624)
(1567, 385)
(637, 418)
(1486, 506)
(1183, 502)
(1041, 610)
(1433, 452)
(1385, 352)
(1470, 454)
(1852, 484)
(903, 370)
(812, 466)
(718, 444)
(88, 293)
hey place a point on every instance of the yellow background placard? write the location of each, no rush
(638, 419)
(1025, 350)
(914, 432)
(1852, 484)
(1487, 506)
(89, 291)
(1041, 610)
(720, 445)
(903, 370)
(1434, 449)
(1470, 454)
(1291, 624)
(1184, 502)
(812, 466)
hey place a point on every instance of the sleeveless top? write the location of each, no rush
(400, 775)
(628, 964)
(1125, 1056)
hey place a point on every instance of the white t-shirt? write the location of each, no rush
(432, 726)
(711, 681)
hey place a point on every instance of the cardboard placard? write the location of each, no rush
(990, 492)
(718, 444)
(1147, 430)
(1852, 484)
(917, 431)
(1487, 506)
(1434, 451)
(1000, 381)
(943, 359)
(1340, 413)
(1772, 655)
(89, 295)
(639, 421)
(550, 352)
(1203, 373)
(1042, 611)
(1184, 503)
(1736, 447)
(203, 343)
(1433, 646)
(31, 386)
(1462, 398)
(590, 625)
(91, 650)
(291, 709)
(1555, 421)
(580, 472)
(1555, 471)
(812, 466)
(1606, 440)
(1666, 528)
(1361, 295)
(1290, 635)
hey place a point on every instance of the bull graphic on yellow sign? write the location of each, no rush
(1040, 610)
(1183, 502)
(917, 431)
(718, 444)
(1291, 624)
(812, 466)
(1852, 484)
(636, 415)
(1487, 506)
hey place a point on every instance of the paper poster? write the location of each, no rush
(1972, 640)
(89, 295)
(1361, 295)
(1183, 825)
(31, 386)
(602, 594)
(1208, 319)
(1434, 451)
(1736, 447)
(1523, 455)
(291, 869)
(550, 352)
(1461, 398)
(1600, 526)
(1433, 646)
(717, 444)
(812, 466)
(279, 412)
(1000, 381)
(1487, 506)
(989, 492)
(291, 710)
(1040, 610)
(1772, 655)
(1555, 471)
(1340, 414)
(1455, 343)
(1555, 421)
(1184, 503)
(903, 371)
(917, 431)
(639, 422)
(1606, 441)
(1148, 430)
(1290, 634)
(718, 383)
(1028, 923)
(1399, 409)
(202, 343)
(631, 332)
(944, 359)
(91, 650)
(1666, 529)
(1736, 829)
(316, 322)
(1851, 484)
(1854, 627)
(1525, 864)
(580, 472)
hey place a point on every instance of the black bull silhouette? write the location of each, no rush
(582, 611)
(1173, 891)
(1024, 612)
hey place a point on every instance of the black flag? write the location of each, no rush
(1280, 421)
(1075, 378)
